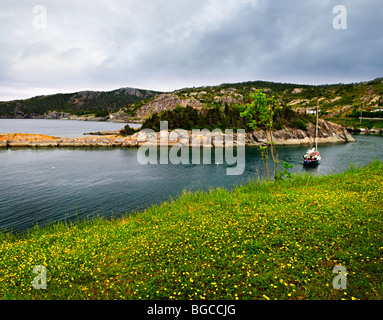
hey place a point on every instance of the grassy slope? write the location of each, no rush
(261, 241)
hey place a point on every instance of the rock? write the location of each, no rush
(164, 102)
(56, 115)
(119, 116)
(46, 144)
(65, 144)
(194, 103)
(297, 91)
(302, 102)
(103, 133)
(229, 100)
(160, 103)
(328, 133)
(18, 144)
(228, 90)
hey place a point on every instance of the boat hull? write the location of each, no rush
(310, 163)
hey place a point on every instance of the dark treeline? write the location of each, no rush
(371, 114)
(221, 118)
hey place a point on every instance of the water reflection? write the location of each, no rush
(312, 170)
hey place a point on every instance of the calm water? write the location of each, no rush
(104, 182)
(59, 128)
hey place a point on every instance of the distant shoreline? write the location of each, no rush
(80, 118)
(105, 139)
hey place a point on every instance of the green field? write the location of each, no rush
(276, 240)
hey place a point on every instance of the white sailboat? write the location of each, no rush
(312, 156)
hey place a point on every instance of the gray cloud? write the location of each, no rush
(169, 44)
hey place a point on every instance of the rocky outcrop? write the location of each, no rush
(365, 130)
(297, 90)
(38, 140)
(166, 102)
(55, 115)
(160, 103)
(103, 133)
(227, 100)
(170, 101)
(328, 133)
(119, 116)
(27, 140)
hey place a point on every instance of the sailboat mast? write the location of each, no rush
(316, 129)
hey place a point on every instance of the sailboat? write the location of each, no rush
(312, 156)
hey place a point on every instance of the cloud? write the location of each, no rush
(169, 44)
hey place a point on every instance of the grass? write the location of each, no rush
(260, 241)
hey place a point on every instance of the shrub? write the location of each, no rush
(127, 131)
(300, 124)
(278, 125)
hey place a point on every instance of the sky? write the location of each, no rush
(49, 47)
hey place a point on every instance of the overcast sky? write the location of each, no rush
(171, 44)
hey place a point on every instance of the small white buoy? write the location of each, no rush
(53, 168)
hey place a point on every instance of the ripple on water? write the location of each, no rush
(91, 182)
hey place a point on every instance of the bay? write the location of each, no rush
(59, 128)
(107, 182)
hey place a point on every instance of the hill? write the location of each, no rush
(96, 103)
(340, 103)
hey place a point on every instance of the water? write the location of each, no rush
(58, 128)
(105, 182)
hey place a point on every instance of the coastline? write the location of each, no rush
(256, 138)
(57, 116)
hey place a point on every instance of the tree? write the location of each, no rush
(127, 131)
(260, 112)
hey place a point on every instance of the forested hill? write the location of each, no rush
(334, 99)
(80, 103)
(340, 103)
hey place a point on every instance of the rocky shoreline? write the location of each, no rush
(328, 133)
(365, 130)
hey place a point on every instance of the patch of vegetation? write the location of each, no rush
(189, 118)
(127, 131)
(218, 117)
(376, 114)
(300, 124)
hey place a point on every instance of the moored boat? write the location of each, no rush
(312, 156)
